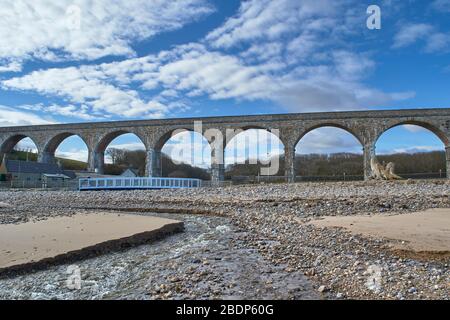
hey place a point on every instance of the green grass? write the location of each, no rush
(67, 164)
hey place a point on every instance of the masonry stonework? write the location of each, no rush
(366, 126)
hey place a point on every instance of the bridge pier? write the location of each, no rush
(153, 163)
(96, 162)
(99, 162)
(367, 126)
(217, 159)
(217, 174)
(368, 153)
(289, 163)
(447, 160)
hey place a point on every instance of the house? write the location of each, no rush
(28, 174)
(130, 173)
(54, 180)
(90, 175)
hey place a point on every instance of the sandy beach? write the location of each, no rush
(34, 241)
(232, 231)
(424, 231)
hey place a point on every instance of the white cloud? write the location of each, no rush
(88, 86)
(70, 111)
(438, 42)
(79, 29)
(328, 140)
(127, 146)
(13, 117)
(409, 34)
(268, 19)
(441, 5)
(352, 66)
(26, 144)
(263, 52)
(414, 149)
(73, 154)
(251, 145)
(414, 128)
(294, 54)
(189, 147)
(306, 62)
(195, 70)
(10, 66)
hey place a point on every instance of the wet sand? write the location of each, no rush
(426, 231)
(32, 242)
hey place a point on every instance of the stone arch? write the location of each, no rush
(162, 139)
(97, 154)
(269, 158)
(333, 125)
(429, 126)
(11, 141)
(105, 140)
(47, 154)
(445, 139)
(181, 147)
(242, 129)
(157, 141)
(352, 164)
(53, 143)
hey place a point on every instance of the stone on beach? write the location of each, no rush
(267, 226)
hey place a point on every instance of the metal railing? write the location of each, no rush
(211, 184)
(343, 177)
(283, 179)
(35, 184)
(238, 180)
(138, 183)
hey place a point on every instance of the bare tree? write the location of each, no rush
(116, 155)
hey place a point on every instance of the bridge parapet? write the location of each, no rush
(366, 126)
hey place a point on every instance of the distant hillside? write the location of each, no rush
(67, 164)
(124, 159)
(306, 165)
(351, 164)
(133, 159)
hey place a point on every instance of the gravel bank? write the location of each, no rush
(266, 220)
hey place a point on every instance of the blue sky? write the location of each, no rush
(78, 60)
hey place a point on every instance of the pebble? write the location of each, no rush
(322, 289)
(257, 223)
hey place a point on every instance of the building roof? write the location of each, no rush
(62, 176)
(87, 174)
(18, 166)
(132, 170)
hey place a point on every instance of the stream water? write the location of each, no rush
(210, 259)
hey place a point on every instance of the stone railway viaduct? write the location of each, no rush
(366, 126)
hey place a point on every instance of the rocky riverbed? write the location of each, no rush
(244, 242)
(210, 260)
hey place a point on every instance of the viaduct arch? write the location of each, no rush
(366, 126)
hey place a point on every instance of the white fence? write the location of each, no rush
(138, 183)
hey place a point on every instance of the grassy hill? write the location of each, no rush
(306, 165)
(67, 164)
